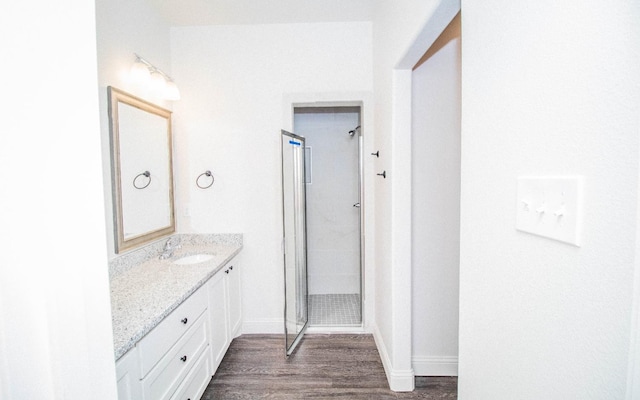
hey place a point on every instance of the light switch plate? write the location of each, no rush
(550, 207)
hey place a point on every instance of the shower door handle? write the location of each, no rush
(357, 205)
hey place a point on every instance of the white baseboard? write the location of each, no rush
(263, 325)
(435, 366)
(276, 326)
(336, 330)
(399, 380)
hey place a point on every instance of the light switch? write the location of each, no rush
(550, 207)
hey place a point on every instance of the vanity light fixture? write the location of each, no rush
(142, 70)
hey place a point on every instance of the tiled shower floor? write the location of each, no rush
(334, 309)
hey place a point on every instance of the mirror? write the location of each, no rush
(141, 170)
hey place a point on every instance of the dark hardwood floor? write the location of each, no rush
(323, 367)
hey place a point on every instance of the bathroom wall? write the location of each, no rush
(436, 206)
(251, 12)
(397, 26)
(55, 321)
(125, 28)
(549, 88)
(235, 82)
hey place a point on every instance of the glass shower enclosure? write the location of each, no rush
(294, 239)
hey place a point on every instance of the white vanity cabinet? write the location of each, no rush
(173, 361)
(225, 309)
(178, 357)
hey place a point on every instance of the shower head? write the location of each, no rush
(353, 131)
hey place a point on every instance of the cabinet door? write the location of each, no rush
(219, 321)
(235, 301)
(127, 372)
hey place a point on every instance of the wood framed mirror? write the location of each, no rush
(141, 170)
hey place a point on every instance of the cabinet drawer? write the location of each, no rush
(163, 380)
(197, 380)
(153, 346)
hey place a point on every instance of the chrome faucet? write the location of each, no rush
(172, 244)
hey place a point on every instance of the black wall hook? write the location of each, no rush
(377, 154)
(383, 174)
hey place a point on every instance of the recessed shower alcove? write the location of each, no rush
(333, 142)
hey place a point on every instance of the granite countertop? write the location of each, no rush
(142, 295)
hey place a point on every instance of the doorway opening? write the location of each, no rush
(333, 182)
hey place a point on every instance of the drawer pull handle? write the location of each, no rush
(184, 320)
(226, 272)
(184, 358)
(231, 267)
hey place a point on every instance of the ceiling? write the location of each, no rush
(231, 12)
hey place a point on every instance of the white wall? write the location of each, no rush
(436, 206)
(633, 373)
(234, 81)
(403, 31)
(252, 12)
(55, 322)
(549, 88)
(333, 224)
(125, 28)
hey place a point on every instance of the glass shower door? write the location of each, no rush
(294, 239)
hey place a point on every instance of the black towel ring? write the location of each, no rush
(146, 174)
(206, 173)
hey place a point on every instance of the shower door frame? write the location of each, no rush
(361, 192)
(299, 214)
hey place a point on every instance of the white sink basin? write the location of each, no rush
(193, 259)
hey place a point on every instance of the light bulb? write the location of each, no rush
(139, 72)
(158, 83)
(171, 91)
